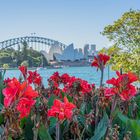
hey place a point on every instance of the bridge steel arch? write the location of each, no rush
(14, 41)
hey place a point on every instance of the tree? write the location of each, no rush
(44, 61)
(25, 50)
(25, 63)
(5, 66)
(125, 34)
(14, 58)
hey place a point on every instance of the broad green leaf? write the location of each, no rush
(101, 128)
(51, 100)
(23, 122)
(123, 118)
(131, 125)
(65, 127)
(38, 102)
(9, 138)
(53, 121)
(28, 133)
(1, 119)
(43, 133)
(63, 94)
(52, 125)
(81, 120)
(83, 108)
(1, 87)
(1, 106)
(69, 98)
(135, 127)
(88, 107)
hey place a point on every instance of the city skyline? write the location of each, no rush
(79, 22)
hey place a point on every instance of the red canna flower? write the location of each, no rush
(10, 94)
(37, 80)
(93, 85)
(132, 78)
(61, 110)
(100, 61)
(30, 93)
(55, 77)
(85, 87)
(123, 85)
(68, 108)
(128, 93)
(11, 91)
(24, 107)
(68, 84)
(23, 70)
(19, 95)
(108, 92)
(34, 77)
(65, 78)
(57, 91)
(6, 81)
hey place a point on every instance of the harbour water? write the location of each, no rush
(87, 73)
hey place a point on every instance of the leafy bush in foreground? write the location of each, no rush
(69, 108)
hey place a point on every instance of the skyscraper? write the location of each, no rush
(92, 49)
(86, 50)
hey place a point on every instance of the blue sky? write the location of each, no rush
(68, 21)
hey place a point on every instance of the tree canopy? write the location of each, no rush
(125, 35)
(23, 55)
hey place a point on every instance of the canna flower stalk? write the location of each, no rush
(100, 61)
(61, 111)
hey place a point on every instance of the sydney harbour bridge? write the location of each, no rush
(37, 43)
(44, 45)
(51, 49)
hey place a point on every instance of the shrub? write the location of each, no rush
(70, 107)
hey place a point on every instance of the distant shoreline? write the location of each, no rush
(49, 67)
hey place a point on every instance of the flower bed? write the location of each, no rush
(69, 108)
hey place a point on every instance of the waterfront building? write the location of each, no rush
(69, 54)
(80, 50)
(93, 47)
(92, 50)
(53, 49)
(86, 50)
(89, 50)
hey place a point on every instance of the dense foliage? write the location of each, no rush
(69, 108)
(22, 56)
(125, 36)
